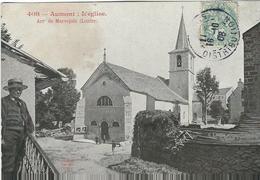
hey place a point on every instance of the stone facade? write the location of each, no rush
(236, 103)
(110, 107)
(102, 119)
(251, 70)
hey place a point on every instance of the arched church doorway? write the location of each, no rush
(104, 131)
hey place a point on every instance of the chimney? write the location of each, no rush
(240, 84)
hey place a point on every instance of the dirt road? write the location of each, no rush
(83, 158)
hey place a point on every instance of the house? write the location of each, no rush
(113, 94)
(236, 103)
(222, 96)
(16, 63)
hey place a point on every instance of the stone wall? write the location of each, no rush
(157, 138)
(236, 106)
(203, 158)
(251, 69)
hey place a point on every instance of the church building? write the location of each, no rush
(113, 95)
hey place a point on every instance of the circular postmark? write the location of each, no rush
(215, 34)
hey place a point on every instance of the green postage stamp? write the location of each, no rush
(216, 31)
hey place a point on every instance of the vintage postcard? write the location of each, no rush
(130, 90)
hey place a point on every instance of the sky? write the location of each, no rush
(136, 35)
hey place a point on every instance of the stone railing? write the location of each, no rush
(36, 165)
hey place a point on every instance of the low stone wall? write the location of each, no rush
(208, 158)
(158, 138)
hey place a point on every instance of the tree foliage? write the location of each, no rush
(206, 87)
(5, 35)
(65, 97)
(43, 114)
(157, 136)
(216, 109)
(59, 102)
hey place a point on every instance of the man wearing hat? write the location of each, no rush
(16, 123)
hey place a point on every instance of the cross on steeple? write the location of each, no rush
(104, 58)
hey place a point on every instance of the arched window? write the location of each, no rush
(179, 61)
(104, 101)
(115, 124)
(84, 129)
(93, 123)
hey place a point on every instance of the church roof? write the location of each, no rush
(195, 97)
(145, 84)
(166, 81)
(182, 41)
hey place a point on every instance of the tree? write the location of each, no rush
(59, 102)
(43, 114)
(206, 87)
(65, 97)
(216, 109)
(5, 35)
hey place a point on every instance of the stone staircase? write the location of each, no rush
(251, 123)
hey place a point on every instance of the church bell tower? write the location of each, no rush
(181, 72)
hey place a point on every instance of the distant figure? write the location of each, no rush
(113, 146)
(104, 138)
(96, 138)
(219, 119)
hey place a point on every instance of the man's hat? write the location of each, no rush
(15, 83)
